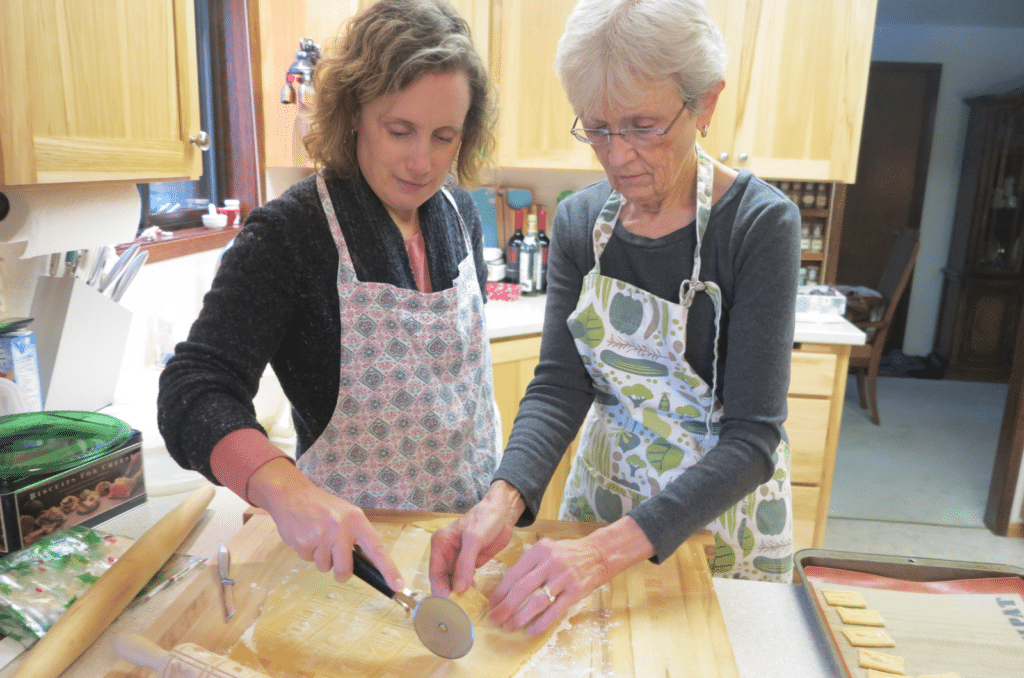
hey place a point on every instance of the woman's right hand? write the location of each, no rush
(458, 549)
(319, 526)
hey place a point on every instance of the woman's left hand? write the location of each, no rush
(553, 575)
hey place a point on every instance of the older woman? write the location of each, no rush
(363, 287)
(667, 336)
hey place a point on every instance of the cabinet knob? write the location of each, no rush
(743, 157)
(201, 140)
(723, 156)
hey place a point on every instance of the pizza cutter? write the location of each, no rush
(442, 626)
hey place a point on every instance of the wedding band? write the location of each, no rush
(547, 592)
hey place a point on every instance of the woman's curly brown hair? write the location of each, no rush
(382, 51)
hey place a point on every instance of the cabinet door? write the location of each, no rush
(535, 115)
(793, 103)
(282, 25)
(98, 90)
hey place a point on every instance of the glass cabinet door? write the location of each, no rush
(998, 247)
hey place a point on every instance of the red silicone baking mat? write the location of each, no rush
(971, 625)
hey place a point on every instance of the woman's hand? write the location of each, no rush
(553, 575)
(317, 525)
(457, 550)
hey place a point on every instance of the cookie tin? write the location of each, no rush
(65, 468)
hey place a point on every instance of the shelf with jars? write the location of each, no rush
(821, 216)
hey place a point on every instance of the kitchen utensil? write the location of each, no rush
(186, 660)
(99, 260)
(518, 198)
(442, 626)
(227, 584)
(130, 271)
(91, 614)
(119, 266)
(14, 324)
(488, 209)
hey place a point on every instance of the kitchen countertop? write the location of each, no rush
(526, 316)
(770, 626)
(136, 393)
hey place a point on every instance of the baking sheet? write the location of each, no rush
(944, 616)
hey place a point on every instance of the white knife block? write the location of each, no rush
(80, 339)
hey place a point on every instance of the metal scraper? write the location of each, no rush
(442, 626)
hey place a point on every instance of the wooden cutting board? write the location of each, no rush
(656, 621)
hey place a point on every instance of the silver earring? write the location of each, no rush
(704, 131)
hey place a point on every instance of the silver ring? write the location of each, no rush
(547, 592)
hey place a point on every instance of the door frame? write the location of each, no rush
(1009, 452)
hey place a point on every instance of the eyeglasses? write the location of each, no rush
(639, 136)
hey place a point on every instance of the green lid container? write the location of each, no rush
(47, 443)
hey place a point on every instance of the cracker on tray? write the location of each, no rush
(860, 636)
(861, 617)
(843, 598)
(887, 663)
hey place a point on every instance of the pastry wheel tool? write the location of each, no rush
(443, 627)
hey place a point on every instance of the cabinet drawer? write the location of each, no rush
(812, 374)
(805, 513)
(807, 428)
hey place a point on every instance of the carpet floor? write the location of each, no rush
(930, 461)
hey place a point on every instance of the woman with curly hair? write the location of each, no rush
(363, 287)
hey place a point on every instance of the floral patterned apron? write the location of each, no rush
(654, 417)
(414, 427)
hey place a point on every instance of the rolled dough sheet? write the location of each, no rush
(312, 626)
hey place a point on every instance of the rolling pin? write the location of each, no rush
(99, 606)
(187, 660)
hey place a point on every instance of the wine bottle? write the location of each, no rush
(528, 259)
(512, 257)
(543, 243)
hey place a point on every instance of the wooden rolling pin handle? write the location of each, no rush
(184, 661)
(90, 615)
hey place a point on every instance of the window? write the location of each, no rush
(230, 167)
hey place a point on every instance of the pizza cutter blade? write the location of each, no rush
(443, 627)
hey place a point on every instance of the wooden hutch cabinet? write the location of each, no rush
(984, 277)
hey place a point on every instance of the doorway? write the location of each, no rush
(892, 171)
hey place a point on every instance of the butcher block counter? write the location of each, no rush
(657, 620)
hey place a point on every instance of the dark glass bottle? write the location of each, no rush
(543, 243)
(515, 244)
(529, 262)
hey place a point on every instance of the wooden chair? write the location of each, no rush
(864, 360)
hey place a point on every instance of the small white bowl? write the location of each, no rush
(215, 221)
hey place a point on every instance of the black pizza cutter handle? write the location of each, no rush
(363, 568)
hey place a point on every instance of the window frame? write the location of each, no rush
(234, 155)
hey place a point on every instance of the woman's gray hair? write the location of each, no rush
(611, 45)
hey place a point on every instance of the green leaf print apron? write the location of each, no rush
(654, 417)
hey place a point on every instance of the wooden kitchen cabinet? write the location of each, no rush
(281, 25)
(513, 361)
(535, 116)
(817, 387)
(795, 89)
(816, 391)
(792, 106)
(97, 91)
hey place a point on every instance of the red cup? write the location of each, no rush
(232, 215)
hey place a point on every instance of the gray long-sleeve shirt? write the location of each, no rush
(751, 249)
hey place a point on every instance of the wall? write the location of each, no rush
(975, 60)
